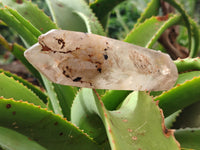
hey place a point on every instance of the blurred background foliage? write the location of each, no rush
(121, 22)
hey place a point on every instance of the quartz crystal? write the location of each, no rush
(93, 61)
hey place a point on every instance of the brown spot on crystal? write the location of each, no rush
(61, 42)
(105, 56)
(45, 48)
(99, 70)
(77, 79)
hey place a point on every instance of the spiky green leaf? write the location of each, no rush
(10, 88)
(44, 127)
(71, 9)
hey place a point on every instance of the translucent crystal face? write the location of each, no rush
(93, 61)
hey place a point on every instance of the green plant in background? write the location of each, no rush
(65, 117)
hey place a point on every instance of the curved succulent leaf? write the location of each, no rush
(84, 114)
(151, 10)
(19, 142)
(196, 38)
(187, 64)
(188, 138)
(18, 52)
(183, 77)
(25, 22)
(90, 25)
(157, 25)
(44, 127)
(13, 22)
(71, 9)
(66, 95)
(32, 13)
(54, 101)
(185, 16)
(101, 8)
(189, 117)
(169, 121)
(180, 96)
(113, 98)
(11, 88)
(33, 88)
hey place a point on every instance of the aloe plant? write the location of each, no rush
(65, 117)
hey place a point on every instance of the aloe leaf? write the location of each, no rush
(157, 25)
(33, 88)
(11, 88)
(25, 22)
(55, 104)
(188, 138)
(3, 23)
(32, 13)
(11, 21)
(196, 38)
(183, 65)
(61, 97)
(66, 95)
(70, 9)
(151, 10)
(84, 114)
(140, 124)
(185, 16)
(47, 129)
(187, 64)
(183, 77)
(4, 43)
(18, 52)
(101, 92)
(113, 98)
(187, 76)
(90, 25)
(60, 7)
(128, 127)
(101, 8)
(189, 117)
(20, 142)
(180, 96)
(170, 120)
